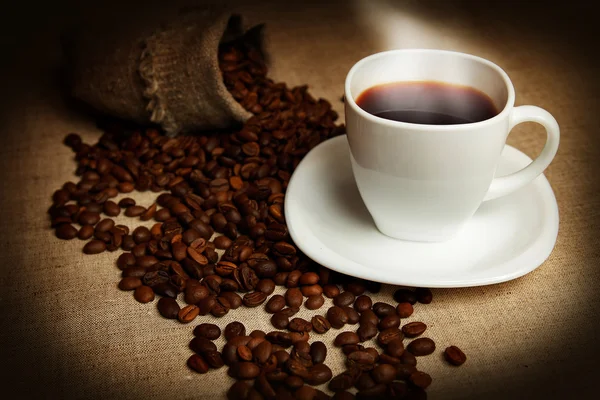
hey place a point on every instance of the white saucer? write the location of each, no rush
(507, 237)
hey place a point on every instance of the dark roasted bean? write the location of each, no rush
(455, 356)
(421, 347)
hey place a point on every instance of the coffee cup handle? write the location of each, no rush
(504, 185)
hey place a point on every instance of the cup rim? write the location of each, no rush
(349, 99)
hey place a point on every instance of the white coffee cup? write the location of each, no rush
(423, 182)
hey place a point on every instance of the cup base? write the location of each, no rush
(427, 237)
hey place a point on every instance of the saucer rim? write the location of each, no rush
(523, 263)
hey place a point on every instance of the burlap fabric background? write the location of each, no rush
(68, 332)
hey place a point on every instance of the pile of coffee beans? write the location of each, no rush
(223, 192)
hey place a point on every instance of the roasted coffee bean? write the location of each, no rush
(213, 359)
(408, 358)
(320, 324)
(366, 331)
(222, 242)
(293, 297)
(262, 351)
(135, 271)
(244, 353)
(405, 296)
(234, 329)
(331, 291)
(420, 379)
(290, 311)
(187, 314)
(111, 208)
(197, 363)
(293, 382)
(404, 310)
(318, 352)
(85, 232)
(66, 232)
(235, 301)
(391, 321)
(245, 370)
(126, 260)
(311, 290)
(319, 374)
(299, 325)
(376, 392)
(195, 293)
(361, 359)
(368, 316)
(387, 335)
(383, 373)
(424, 295)
(414, 329)
(382, 310)
(143, 294)
(267, 286)
(395, 348)
(346, 338)
(201, 345)
(280, 320)
(88, 218)
(455, 356)
(344, 299)
(340, 382)
(208, 331)
(337, 317)
(221, 307)
(364, 382)
(421, 347)
(168, 307)
(141, 234)
(130, 283)
(314, 302)
(254, 299)
(404, 371)
(356, 287)
(94, 247)
(308, 278)
(276, 303)
(363, 303)
(126, 202)
(134, 211)
(105, 225)
(353, 315)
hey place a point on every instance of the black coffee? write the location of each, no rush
(427, 102)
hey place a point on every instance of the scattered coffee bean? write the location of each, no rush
(314, 302)
(197, 363)
(420, 379)
(143, 294)
(421, 347)
(405, 296)
(424, 295)
(337, 317)
(94, 247)
(363, 303)
(414, 329)
(293, 297)
(404, 310)
(455, 356)
(345, 338)
(331, 291)
(234, 329)
(320, 324)
(344, 299)
(187, 314)
(66, 232)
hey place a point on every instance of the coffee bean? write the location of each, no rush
(376, 392)
(366, 331)
(363, 303)
(314, 302)
(408, 358)
(320, 324)
(254, 299)
(424, 295)
(387, 359)
(299, 325)
(344, 299)
(134, 211)
(85, 232)
(141, 234)
(311, 290)
(234, 299)
(420, 379)
(267, 286)
(197, 363)
(66, 231)
(405, 296)
(234, 329)
(143, 294)
(222, 242)
(368, 316)
(353, 315)
(319, 374)
(391, 321)
(364, 382)
(382, 310)
(168, 307)
(356, 287)
(88, 218)
(245, 370)
(395, 348)
(130, 283)
(105, 225)
(293, 297)
(94, 247)
(262, 351)
(414, 329)
(280, 321)
(337, 317)
(221, 307)
(331, 291)
(361, 359)
(318, 352)
(383, 373)
(455, 356)
(345, 338)
(404, 371)
(307, 278)
(387, 335)
(341, 382)
(111, 208)
(404, 310)
(201, 345)
(213, 359)
(187, 314)
(276, 303)
(421, 347)
(208, 331)
(195, 293)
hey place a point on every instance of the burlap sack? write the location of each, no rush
(168, 75)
